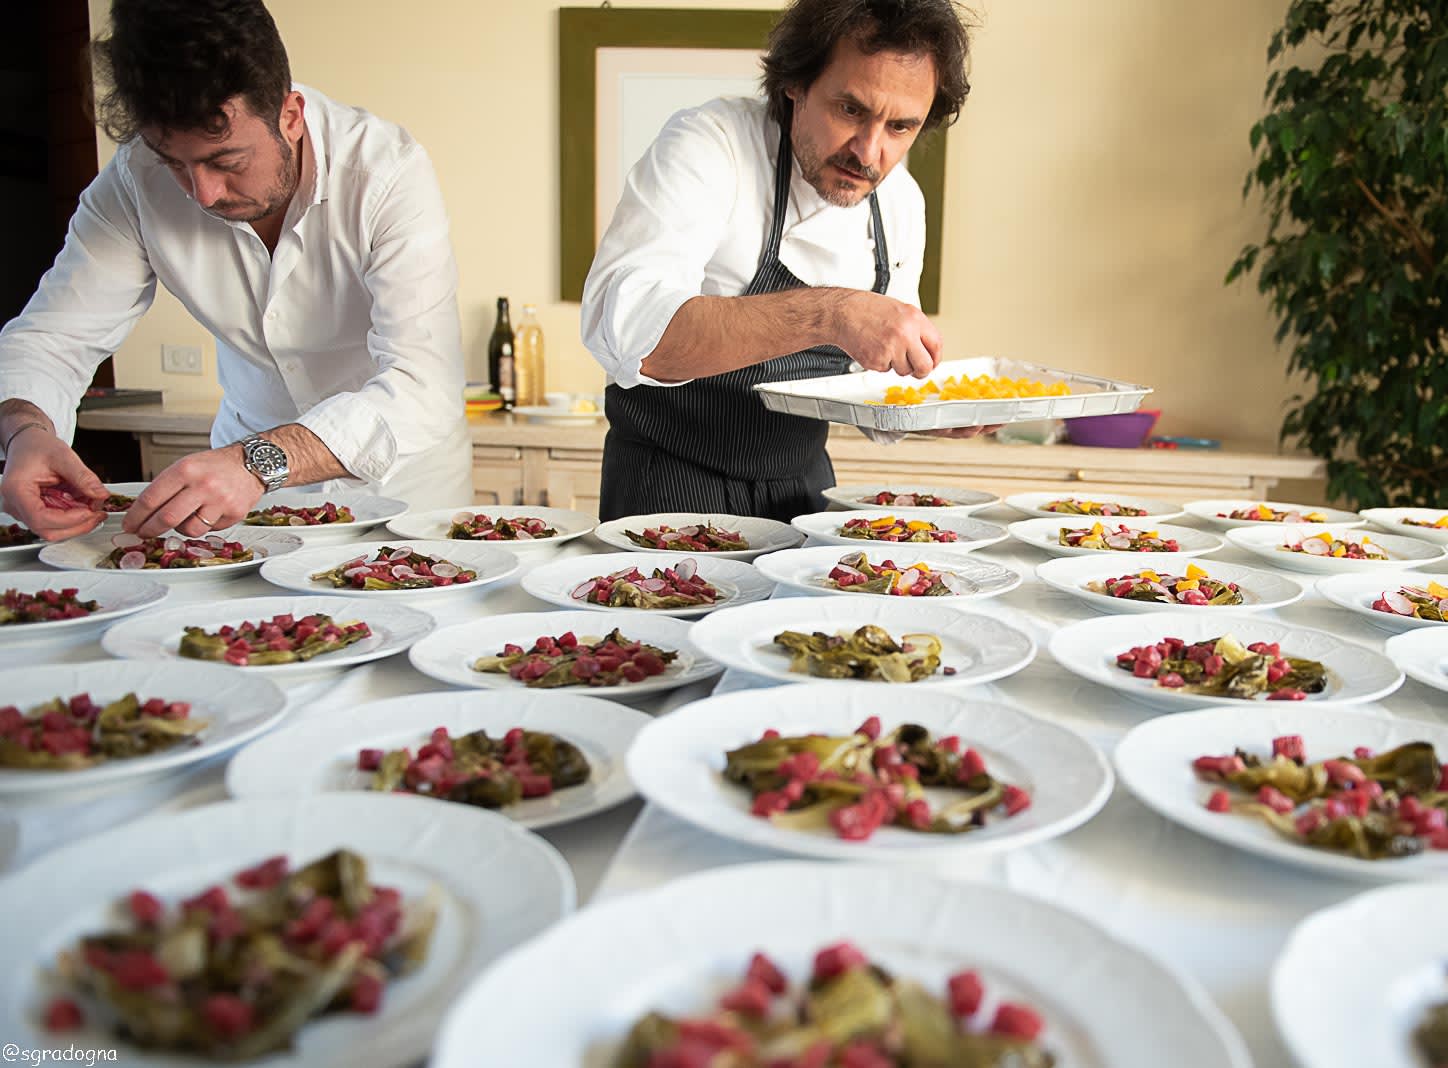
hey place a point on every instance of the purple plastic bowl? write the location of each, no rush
(1126, 430)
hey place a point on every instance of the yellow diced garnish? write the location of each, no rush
(1149, 534)
(1187, 584)
(1441, 522)
(1315, 517)
(1263, 512)
(1194, 572)
(882, 523)
(1341, 550)
(1324, 536)
(1438, 591)
(918, 524)
(1097, 530)
(1149, 575)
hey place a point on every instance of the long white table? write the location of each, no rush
(1214, 913)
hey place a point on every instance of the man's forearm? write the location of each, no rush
(308, 459)
(17, 414)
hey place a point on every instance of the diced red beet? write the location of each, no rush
(370, 759)
(837, 959)
(870, 728)
(1220, 801)
(63, 1014)
(1290, 746)
(265, 875)
(145, 907)
(966, 992)
(1015, 800)
(1017, 1020)
(135, 969)
(751, 997)
(767, 972)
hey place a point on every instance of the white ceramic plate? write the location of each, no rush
(824, 528)
(237, 707)
(369, 509)
(571, 996)
(1032, 504)
(550, 416)
(319, 755)
(1264, 541)
(1154, 761)
(118, 593)
(1390, 521)
(1260, 590)
(979, 647)
(736, 581)
(763, 535)
(856, 497)
(678, 763)
(1089, 649)
(448, 654)
(1358, 592)
(295, 572)
(11, 555)
(808, 569)
(1423, 654)
(409, 843)
(1045, 534)
(435, 524)
(156, 636)
(1397, 937)
(85, 554)
(1216, 513)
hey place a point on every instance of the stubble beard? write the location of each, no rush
(833, 190)
(287, 178)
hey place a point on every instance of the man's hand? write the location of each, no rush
(197, 494)
(883, 334)
(38, 465)
(962, 431)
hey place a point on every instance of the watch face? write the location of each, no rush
(266, 459)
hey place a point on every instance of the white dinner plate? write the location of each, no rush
(1260, 589)
(294, 572)
(1045, 534)
(1390, 521)
(824, 529)
(571, 996)
(1154, 761)
(1397, 937)
(319, 755)
(119, 593)
(1267, 539)
(156, 636)
(86, 553)
(736, 581)
(808, 569)
(1358, 593)
(448, 654)
(858, 496)
(678, 763)
(763, 535)
(434, 525)
(452, 851)
(1423, 654)
(369, 511)
(237, 707)
(1033, 504)
(979, 647)
(1089, 649)
(1216, 513)
(13, 555)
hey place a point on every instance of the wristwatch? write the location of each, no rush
(266, 460)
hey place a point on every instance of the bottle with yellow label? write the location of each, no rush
(528, 358)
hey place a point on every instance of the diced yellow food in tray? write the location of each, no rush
(980, 387)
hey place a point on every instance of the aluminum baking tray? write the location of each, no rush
(843, 398)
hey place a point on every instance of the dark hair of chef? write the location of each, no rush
(803, 42)
(172, 64)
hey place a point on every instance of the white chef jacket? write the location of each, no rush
(693, 220)
(350, 328)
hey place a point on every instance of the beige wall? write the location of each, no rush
(1093, 188)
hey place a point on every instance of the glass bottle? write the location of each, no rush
(528, 358)
(502, 367)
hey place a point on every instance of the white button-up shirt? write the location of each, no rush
(694, 218)
(350, 328)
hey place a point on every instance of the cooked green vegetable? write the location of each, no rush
(284, 639)
(12, 534)
(869, 653)
(63, 735)
(1431, 1035)
(478, 770)
(567, 660)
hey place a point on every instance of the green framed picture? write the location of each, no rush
(727, 44)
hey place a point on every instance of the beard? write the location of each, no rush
(284, 184)
(830, 186)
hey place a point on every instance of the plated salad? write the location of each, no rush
(1416, 602)
(850, 1013)
(567, 660)
(855, 574)
(1326, 544)
(1441, 523)
(1071, 506)
(1370, 806)
(475, 769)
(395, 568)
(1262, 513)
(280, 515)
(66, 734)
(12, 534)
(44, 606)
(171, 551)
(698, 539)
(283, 639)
(235, 973)
(888, 528)
(471, 526)
(907, 500)
(859, 783)
(869, 653)
(1224, 667)
(1122, 539)
(1196, 587)
(679, 586)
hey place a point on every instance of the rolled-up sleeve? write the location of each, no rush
(414, 401)
(85, 306)
(669, 221)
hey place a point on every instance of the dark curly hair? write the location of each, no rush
(172, 64)
(803, 41)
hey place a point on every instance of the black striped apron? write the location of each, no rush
(711, 445)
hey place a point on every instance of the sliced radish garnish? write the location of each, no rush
(400, 554)
(353, 572)
(957, 584)
(216, 541)
(909, 578)
(523, 535)
(126, 541)
(689, 532)
(200, 552)
(1118, 541)
(671, 537)
(296, 521)
(1400, 604)
(463, 517)
(583, 589)
(402, 571)
(173, 544)
(686, 568)
(1315, 547)
(443, 569)
(132, 561)
(653, 585)
(905, 500)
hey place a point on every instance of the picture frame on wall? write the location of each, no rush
(624, 71)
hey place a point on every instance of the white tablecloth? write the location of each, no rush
(1212, 912)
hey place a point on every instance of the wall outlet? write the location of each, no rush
(180, 360)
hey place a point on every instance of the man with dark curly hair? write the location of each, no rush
(309, 237)
(770, 239)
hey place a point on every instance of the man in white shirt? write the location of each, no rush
(761, 240)
(309, 237)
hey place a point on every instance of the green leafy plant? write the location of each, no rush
(1352, 163)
